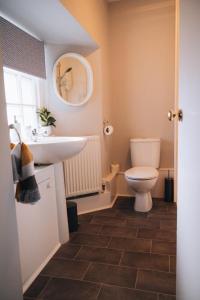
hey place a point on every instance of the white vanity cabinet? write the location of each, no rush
(38, 227)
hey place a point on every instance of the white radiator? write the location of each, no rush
(83, 171)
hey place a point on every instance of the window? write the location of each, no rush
(22, 97)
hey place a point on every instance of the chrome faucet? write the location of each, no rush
(35, 135)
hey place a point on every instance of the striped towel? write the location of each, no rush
(23, 174)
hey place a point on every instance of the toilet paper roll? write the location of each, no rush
(108, 130)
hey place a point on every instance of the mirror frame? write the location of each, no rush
(89, 73)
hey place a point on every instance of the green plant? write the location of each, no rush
(46, 117)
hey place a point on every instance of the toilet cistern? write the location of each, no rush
(142, 177)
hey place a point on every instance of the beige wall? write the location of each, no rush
(142, 73)
(84, 120)
(93, 16)
(136, 51)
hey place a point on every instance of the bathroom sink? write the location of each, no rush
(53, 149)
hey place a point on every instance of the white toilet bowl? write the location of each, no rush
(142, 180)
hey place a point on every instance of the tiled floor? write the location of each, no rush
(116, 254)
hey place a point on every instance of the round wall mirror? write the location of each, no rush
(73, 79)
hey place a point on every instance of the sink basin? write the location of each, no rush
(53, 149)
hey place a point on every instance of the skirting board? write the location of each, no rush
(95, 203)
(103, 200)
(29, 281)
(118, 187)
(157, 192)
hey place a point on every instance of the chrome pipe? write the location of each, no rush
(12, 126)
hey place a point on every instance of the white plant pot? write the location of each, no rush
(46, 130)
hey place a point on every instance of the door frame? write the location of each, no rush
(176, 96)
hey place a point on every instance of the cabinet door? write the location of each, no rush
(38, 229)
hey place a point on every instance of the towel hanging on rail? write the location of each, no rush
(23, 174)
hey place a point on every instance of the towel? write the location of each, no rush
(23, 174)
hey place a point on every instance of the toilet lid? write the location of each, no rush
(139, 173)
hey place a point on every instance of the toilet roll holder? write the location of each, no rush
(107, 129)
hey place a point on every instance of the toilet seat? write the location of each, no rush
(141, 173)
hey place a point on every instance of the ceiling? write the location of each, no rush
(40, 18)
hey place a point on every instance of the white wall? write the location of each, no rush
(10, 274)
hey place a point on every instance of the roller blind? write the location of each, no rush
(21, 51)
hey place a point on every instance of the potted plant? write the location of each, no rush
(47, 121)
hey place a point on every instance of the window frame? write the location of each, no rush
(37, 86)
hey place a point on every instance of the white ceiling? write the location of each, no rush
(48, 20)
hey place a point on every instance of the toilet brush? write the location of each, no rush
(169, 188)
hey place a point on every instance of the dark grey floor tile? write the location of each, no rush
(173, 264)
(156, 281)
(90, 239)
(106, 212)
(89, 228)
(157, 202)
(107, 220)
(156, 234)
(143, 223)
(162, 216)
(172, 209)
(125, 208)
(118, 293)
(168, 224)
(124, 203)
(146, 261)
(89, 244)
(65, 268)
(103, 255)
(36, 287)
(67, 251)
(66, 289)
(115, 275)
(72, 234)
(159, 209)
(131, 213)
(136, 245)
(118, 231)
(86, 218)
(166, 297)
(163, 247)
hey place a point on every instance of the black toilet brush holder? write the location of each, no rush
(169, 189)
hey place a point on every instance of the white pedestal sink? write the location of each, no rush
(53, 149)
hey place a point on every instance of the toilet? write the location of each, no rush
(142, 177)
